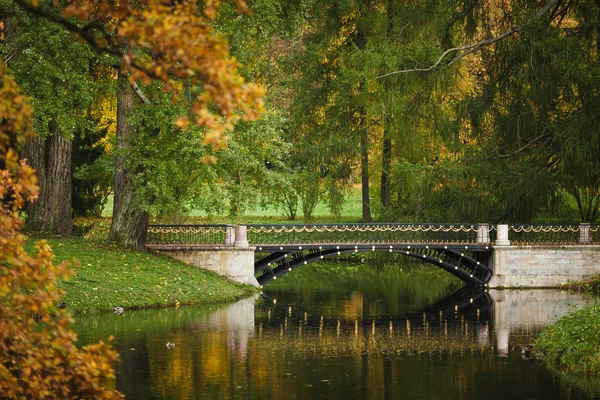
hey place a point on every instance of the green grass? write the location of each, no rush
(573, 343)
(108, 276)
(351, 211)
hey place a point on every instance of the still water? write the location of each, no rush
(383, 336)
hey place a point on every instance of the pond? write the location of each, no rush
(344, 332)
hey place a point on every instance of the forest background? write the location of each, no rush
(382, 95)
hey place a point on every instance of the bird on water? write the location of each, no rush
(526, 351)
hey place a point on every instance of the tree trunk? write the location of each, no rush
(360, 43)
(364, 169)
(51, 158)
(386, 164)
(386, 153)
(129, 224)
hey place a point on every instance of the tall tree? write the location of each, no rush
(54, 70)
(536, 107)
(353, 119)
(142, 38)
(130, 222)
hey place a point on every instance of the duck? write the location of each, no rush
(526, 351)
(170, 345)
(118, 310)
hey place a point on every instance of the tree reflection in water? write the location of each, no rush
(298, 344)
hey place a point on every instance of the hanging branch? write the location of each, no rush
(467, 49)
(140, 93)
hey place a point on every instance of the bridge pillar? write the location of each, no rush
(502, 235)
(483, 233)
(584, 233)
(241, 237)
(229, 235)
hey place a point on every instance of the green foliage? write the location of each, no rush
(308, 187)
(533, 113)
(573, 343)
(176, 172)
(55, 71)
(92, 170)
(282, 195)
(109, 276)
(334, 74)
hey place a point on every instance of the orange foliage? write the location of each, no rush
(37, 360)
(177, 42)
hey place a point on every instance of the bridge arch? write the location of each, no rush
(472, 269)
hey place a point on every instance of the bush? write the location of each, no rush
(38, 355)
(573, 343)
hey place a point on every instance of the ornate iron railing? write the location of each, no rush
(187, 234)
(377, 233)
(526, 234)
(362, 233)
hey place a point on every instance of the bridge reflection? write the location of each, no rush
(266, 347)
(469, 319)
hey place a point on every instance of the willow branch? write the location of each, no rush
(462, 51)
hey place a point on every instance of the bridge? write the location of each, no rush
(478, 254)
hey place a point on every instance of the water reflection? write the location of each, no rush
(522, 314)
(297, 345)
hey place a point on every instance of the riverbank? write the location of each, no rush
(109, 276)
(573, 343)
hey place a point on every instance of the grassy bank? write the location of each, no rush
(573, 343)
(109, 276)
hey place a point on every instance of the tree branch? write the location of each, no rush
(462, 51)
(140, 93)
(534, 141)
(85, 32)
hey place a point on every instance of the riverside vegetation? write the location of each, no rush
(573, 343)
(109, 276)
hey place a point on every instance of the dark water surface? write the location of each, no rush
(380, 336)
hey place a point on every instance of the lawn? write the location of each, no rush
(109, 276)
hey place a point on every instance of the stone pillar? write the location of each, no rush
(483, 233)
(241, 237)
(229, 235)
(502, 235)
(584, 233)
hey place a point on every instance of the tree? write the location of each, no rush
(143, 39)
(57, 368)
(535, 109)
(524, 132)
(345, 117)
(53, 69)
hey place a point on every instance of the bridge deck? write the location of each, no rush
(373, 246)
(314, 246)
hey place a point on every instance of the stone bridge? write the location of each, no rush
(479, 254)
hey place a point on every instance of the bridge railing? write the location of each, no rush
(515, 234)
(190, 234)
(539, 234)
(366, 233)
